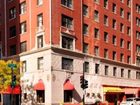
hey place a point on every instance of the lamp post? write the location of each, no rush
(13, 78)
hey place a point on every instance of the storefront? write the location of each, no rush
(113, 95)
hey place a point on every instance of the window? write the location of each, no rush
(114, 55)
(121, 27)
(67, 3)
(138, 61)
(137, 75)
(12, 31)
(40, 96)
(96, 33)
(67, 64)
(128, 31)
(96, 51)
(24, 66)
(105, 53)
(86, 67)
(106, 70)
(128, 16)
(12, 13)
(40, 20)
(122, 12)
(122, 57)
(114, 8)
(85, 10)
(128, 3)
(96, 68)
(114, 40)
(40, 41)
(23, 7)
(137, 21)
(122, 72)
(105, 20)
(85, 29)
(67, 42)
(67, 22)
(128, 45)
(96, 16)
(114, 24)
(68, 95)
(39, 2)
(137, 8)
(96, 1)
(114, 71)
(40, 63)
(13, 50)
(106, 3)
(138, 35)
(138, 48)
(129, 73)
(85, 48)
(105, 36)
(122, 43)
(23, 47)
(23, 27)
(128, 59)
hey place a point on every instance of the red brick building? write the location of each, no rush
(54, 38)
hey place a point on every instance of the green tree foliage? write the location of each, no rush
(6, 73)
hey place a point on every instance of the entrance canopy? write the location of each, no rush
(39, 85)
(68, 85)
(112, 89)
(16, 90)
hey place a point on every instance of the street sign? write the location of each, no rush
(11, 65)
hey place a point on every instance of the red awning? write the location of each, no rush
(68, 85)
(16, 90)
(39, 85)
(131, 90)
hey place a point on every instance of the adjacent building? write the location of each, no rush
(55, 38)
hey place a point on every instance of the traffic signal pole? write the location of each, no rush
(12, 86)
(84, 83)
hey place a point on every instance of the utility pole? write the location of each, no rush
(13, 78)
(84, 83)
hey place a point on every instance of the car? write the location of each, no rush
(133, 101)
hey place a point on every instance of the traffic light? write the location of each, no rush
(13, 84)
(83, 82)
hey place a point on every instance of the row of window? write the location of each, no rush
(96, 13)
(67, 64)
(68, 23)
(23, 46)
(22, 9)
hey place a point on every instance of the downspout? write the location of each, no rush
(5, 24)
(132, 37)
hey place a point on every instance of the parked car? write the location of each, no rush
(131, 101)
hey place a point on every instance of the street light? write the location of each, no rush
(13, 78)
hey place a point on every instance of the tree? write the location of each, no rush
(6, 73)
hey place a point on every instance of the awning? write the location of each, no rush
(68, 85)
(16, 90)
(131, 90)
(112, 89)
(39, 85)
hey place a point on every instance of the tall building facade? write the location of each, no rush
(55, 38)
